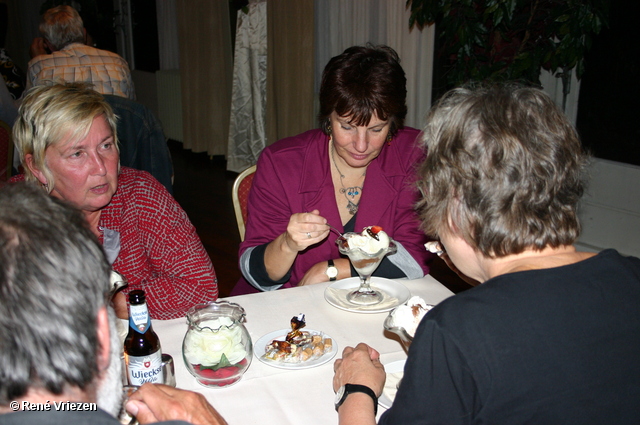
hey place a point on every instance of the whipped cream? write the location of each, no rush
(409, 315)
(368, 243)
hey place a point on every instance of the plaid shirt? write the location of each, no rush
(107, 71)
(160, 250)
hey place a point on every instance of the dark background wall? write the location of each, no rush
(609, 104)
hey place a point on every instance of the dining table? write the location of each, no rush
(273, 395)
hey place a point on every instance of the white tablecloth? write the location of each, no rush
(269, 395)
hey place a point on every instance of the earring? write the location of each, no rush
(389, 139)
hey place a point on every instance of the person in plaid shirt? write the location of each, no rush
(62, 55)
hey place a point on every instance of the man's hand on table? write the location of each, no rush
(360, 365)
(156, 402)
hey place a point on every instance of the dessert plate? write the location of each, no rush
(394, 371)
(394, 293)
(260, 346)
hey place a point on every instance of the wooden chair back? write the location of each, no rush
(240, 195)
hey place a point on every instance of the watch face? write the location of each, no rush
(332, 271)
(339, 394)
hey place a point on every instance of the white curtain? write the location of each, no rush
(343, 23)
(247, 135)
(338, 25)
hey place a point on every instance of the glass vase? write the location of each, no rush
(217, 347)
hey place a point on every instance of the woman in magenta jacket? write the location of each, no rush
(356, 171)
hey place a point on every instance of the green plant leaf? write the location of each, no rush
(511, 7)
(492, 6)
(500, 39)
(497, 16)
(580, 69)
(224, 362)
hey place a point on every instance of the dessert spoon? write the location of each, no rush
(334, 229)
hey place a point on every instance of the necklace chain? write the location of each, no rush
(350, 192)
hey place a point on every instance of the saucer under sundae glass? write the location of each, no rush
(365, 251)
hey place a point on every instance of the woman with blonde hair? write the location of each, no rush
(66, 136)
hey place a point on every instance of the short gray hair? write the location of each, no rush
(54, 279)
(505, 167)
(61, 26)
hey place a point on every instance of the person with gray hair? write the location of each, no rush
(57, 337)
(61, 54)
(551, 334)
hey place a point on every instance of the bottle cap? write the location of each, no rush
(137, 297)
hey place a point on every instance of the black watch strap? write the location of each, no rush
(356, 388)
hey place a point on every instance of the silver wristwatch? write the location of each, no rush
(347, 389)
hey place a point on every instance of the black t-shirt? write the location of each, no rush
(552, 346)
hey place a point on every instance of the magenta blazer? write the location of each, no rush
(293, 176)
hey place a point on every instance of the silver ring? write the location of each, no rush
(308, 235)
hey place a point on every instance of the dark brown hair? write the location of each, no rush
(505, 168)
(364, 80)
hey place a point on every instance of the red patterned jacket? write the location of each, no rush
(160, 251)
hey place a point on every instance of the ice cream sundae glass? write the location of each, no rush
(366, 250)
(404, 319)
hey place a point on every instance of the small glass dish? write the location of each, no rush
(409, 314)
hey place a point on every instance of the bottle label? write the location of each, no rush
(143, 369)
(139, 318)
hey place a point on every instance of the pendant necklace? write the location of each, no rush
(351, 192)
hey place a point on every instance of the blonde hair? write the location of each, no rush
(53, 114)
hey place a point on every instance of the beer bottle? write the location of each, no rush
(141, 346)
